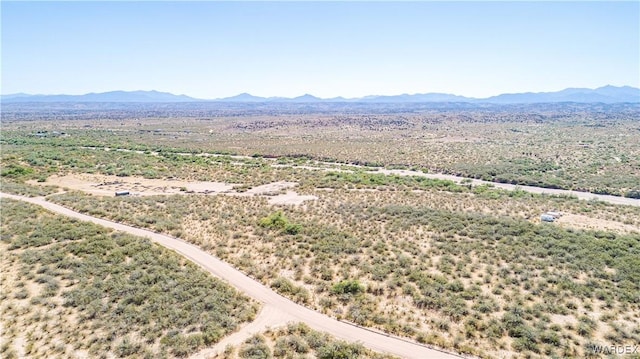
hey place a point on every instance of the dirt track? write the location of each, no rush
(511, 187)
(276, 310)
(329, 166)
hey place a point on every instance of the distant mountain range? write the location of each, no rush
(113, 96)
(606, 94)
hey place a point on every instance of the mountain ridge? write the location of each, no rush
(604, 94)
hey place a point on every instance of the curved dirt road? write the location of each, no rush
(277, 310)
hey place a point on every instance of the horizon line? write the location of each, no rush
(309, 94)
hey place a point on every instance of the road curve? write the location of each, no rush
(276, 305)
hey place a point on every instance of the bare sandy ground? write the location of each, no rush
(291, 198)
(274, 305)
(584, 222)
(270, 188)
(105, 185)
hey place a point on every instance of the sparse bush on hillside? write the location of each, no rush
(95, 283)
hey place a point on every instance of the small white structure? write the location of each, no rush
(122, 193)
(547, 218)
(550, 216)
(555, 215)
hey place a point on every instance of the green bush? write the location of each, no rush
(275, 220)
(340, 350)
(352, 287)
(14, 171)
(255, 348)
(290, 344)
(278, 220)
(284, 286)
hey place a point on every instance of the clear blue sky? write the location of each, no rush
(351, 49)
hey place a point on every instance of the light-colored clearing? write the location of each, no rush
(584, 222)
(105, 185)
(291, 198)
(563, 319)
(266, 189)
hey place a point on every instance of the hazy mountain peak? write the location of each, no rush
(110, 96)
(604, 94)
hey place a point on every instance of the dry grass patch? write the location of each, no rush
(585, 222)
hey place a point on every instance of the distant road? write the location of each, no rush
(475, 182)
(511, 187)
(277, 310)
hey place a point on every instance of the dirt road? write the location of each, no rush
(511, 187)
(276, 310)
(330, 166)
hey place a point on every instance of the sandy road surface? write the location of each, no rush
(511, 187)
(276, 310)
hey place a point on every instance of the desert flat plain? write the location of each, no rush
(419, 222)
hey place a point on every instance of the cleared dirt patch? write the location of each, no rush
(584, 222)
(208, 187)
(270, 188)
(291, 198)
(105, 185)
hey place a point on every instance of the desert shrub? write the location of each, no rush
(284, 286)
(290, 344)
(278, 220)
(524, 343)
(455, 286)
(347, 290)
(255, 348)
(550, 338)
(348, 287)
(274, 220)
(340, 350)
(15, 171)
(633, 194)
(119, 286)
(127, 347)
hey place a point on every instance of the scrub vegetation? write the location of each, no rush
(468, 268)
(572, 146)
(452, 278)
(75, 289)
(297, 341)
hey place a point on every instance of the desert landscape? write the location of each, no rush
(452, 262)
(320, 179)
